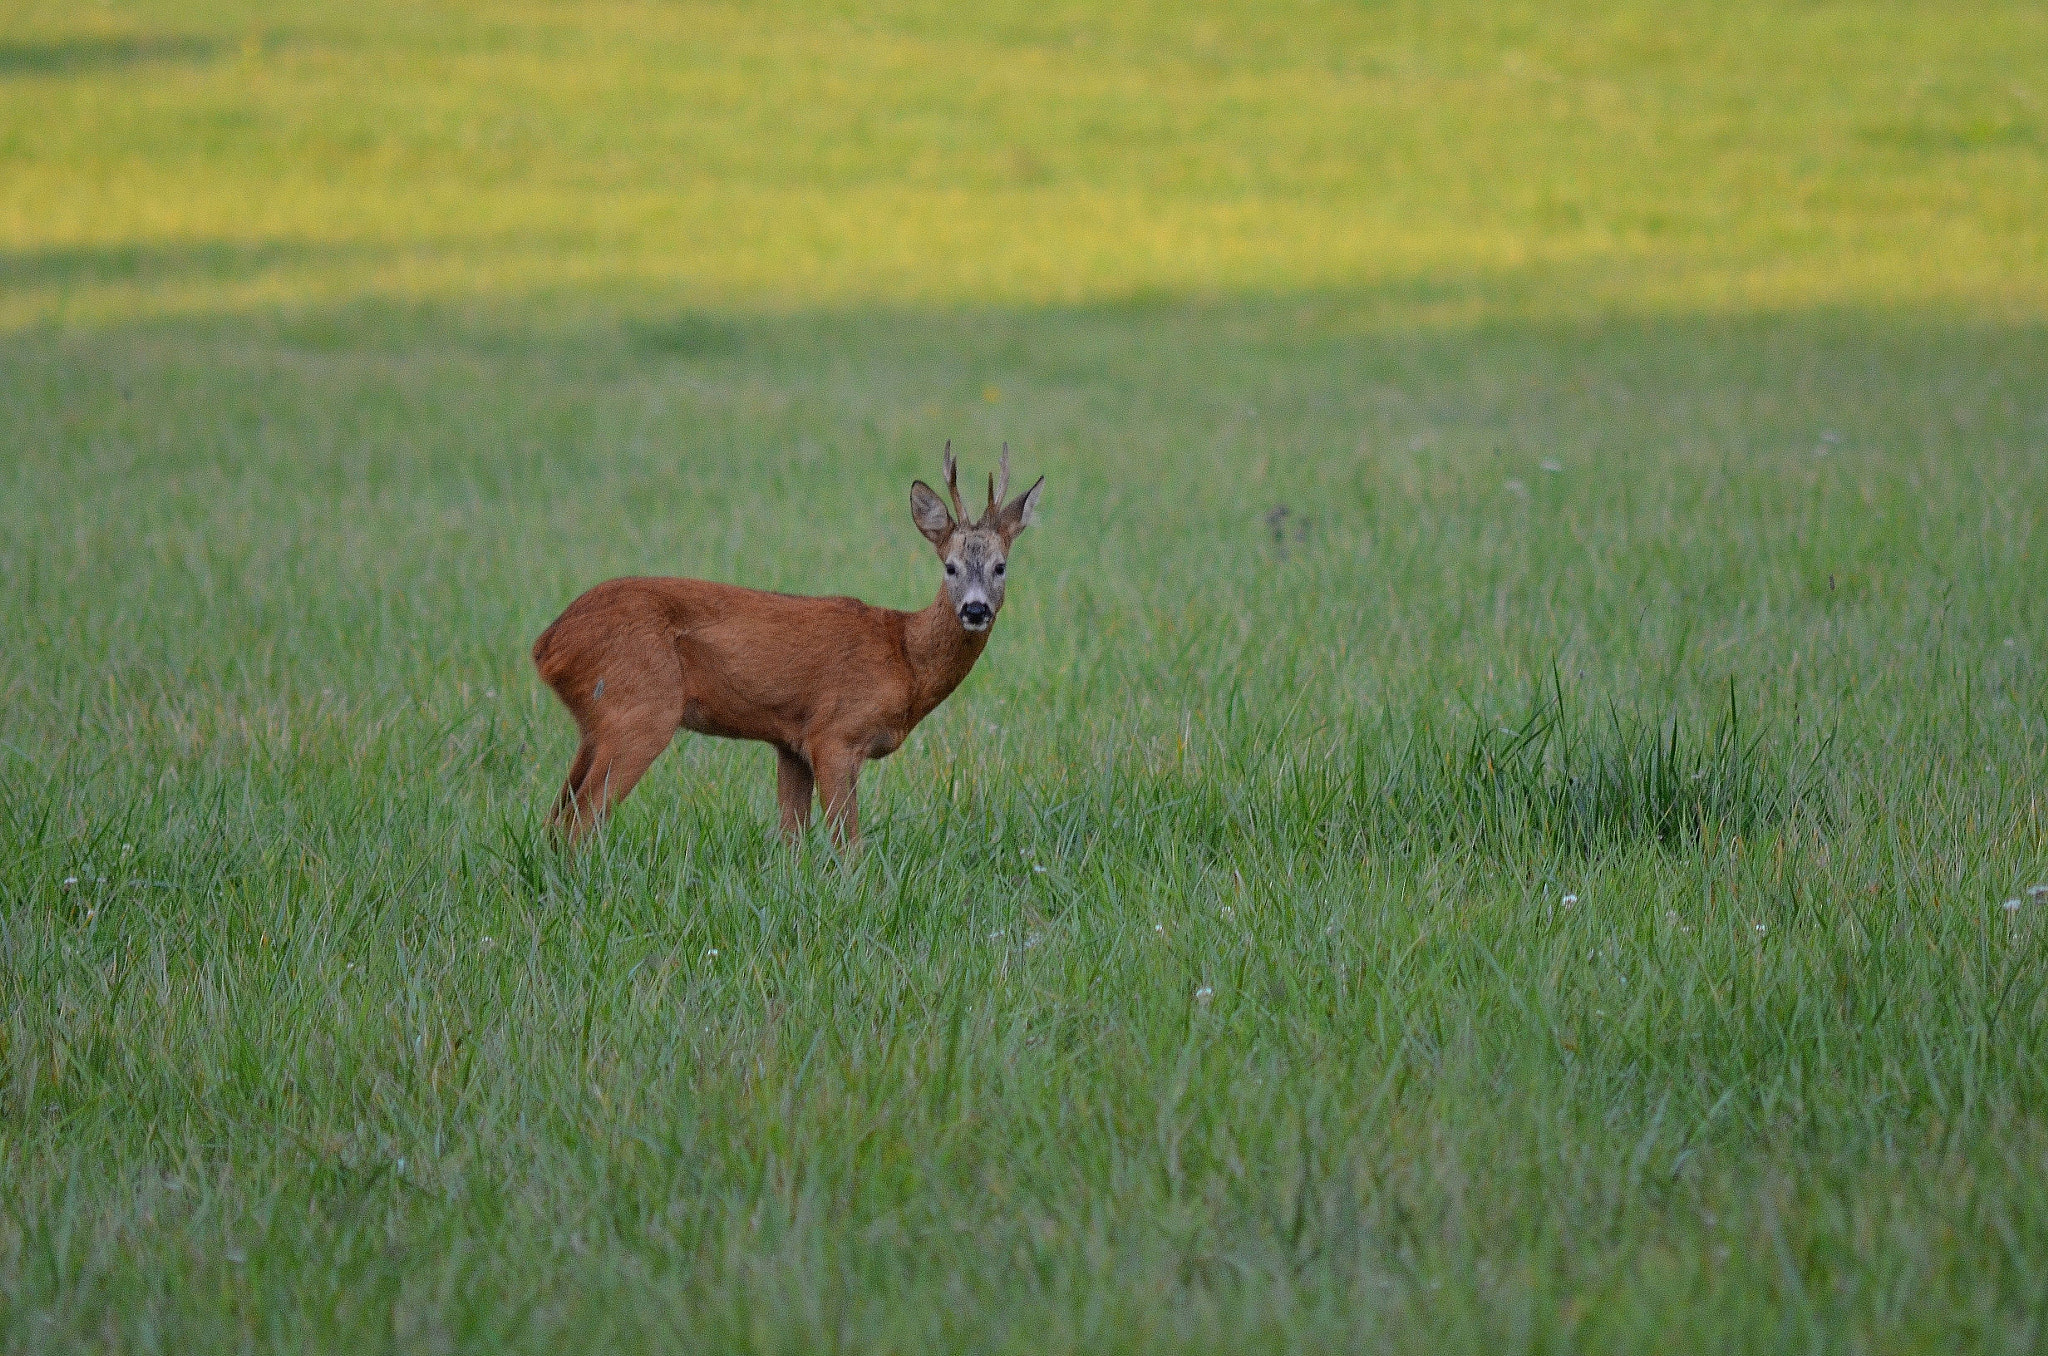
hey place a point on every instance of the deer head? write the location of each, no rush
(976, 554)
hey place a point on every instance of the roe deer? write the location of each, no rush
(830, 682)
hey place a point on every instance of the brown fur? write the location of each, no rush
(829, 682)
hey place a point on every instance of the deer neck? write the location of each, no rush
(939, 651)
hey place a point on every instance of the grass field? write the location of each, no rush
(1547, 890)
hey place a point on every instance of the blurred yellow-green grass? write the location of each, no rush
(1440, 162)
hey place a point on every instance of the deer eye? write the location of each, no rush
(999, 569)
(951, 568)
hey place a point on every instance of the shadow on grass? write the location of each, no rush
(1124, 340)
(200, 260)
(81, 54)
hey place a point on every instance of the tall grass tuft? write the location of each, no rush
(1565, 779)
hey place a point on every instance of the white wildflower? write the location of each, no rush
(2011, 905)
(1759, 928)
(1204, 994)
(1569, 900)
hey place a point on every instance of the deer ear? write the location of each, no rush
(1021, 512)
(928, 511)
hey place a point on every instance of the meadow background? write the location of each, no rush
(1559, 885)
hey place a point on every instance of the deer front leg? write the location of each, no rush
(838, 774)
(793, 786)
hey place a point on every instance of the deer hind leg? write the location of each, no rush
(627, 715)
(612, 766)
(793, 786)
(565, 804)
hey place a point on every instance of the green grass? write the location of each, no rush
(1543, 892)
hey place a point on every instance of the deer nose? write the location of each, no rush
(977, 614)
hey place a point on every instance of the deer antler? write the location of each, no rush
(997, 490)
(953, 484)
